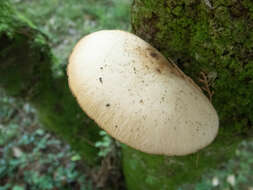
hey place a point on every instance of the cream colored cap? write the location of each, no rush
(138, 97)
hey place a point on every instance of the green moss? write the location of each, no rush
(26, 73)
(143, 171)
(217, 41)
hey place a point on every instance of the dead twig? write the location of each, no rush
(206, 85)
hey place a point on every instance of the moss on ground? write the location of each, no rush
(206, 40)
(25, 71)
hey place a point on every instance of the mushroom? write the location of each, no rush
(139, 97)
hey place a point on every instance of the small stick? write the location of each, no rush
(206, 84)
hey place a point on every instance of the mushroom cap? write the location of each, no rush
(139, 97)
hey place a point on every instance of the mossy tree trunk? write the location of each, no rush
(211, 41)
(25, 72)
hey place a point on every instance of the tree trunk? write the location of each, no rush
(211, 41)
(25, 71)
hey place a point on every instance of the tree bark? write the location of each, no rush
(212, 42)
(26, 73)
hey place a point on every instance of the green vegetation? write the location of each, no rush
(26, 73)
(65, 22)
(234, 174)
(31, 158)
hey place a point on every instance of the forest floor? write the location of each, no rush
(32, 158)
